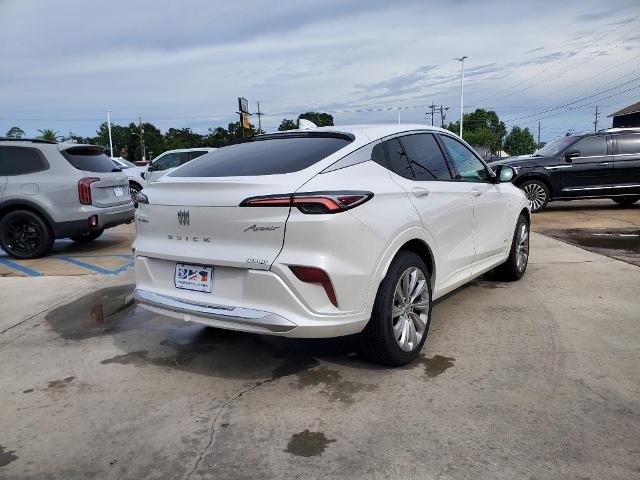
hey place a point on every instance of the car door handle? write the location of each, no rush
(604, 164)
(421, 192)
(476, 193)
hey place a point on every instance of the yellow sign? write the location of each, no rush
(245, 121)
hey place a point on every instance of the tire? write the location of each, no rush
(515, 266)
(87, 237)
(626, 201)
(25, 234)
(379, 341)
(134, 189)
(537, 194)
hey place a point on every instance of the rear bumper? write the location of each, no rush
(231, 317)
(256, 301)
(107, 218)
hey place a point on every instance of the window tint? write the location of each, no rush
(89, 159)
(20, 161)
(425, 157)
(196, 154)
(398, 162)
(170, 160)
(629, 143)
(469, 168)
(269, 156)
(591, 146)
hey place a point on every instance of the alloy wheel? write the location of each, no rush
(536, 195)
(522, 247)
(23, 236)
(410, 309)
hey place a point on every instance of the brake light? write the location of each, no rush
(312, 202)
(316, 276)
(84, 189)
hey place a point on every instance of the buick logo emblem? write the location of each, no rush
(183, 217)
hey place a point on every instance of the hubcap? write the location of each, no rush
(522, 247)
(536, 195)
(410, 310)
(23, 236)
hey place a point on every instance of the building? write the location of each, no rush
(627, 117)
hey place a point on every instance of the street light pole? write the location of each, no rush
(461, 60)
(109, 129)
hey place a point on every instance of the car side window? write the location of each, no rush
(21, 161)
(469, 167)
(184, 157)
(628, 144)
(196, 154)
(170, 160)
(398, 162)
(425, 157)
(591, 146)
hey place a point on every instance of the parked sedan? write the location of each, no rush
(605, 164)
(327, 232)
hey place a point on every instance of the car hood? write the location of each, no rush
(520, 160)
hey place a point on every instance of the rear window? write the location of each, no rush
(21, 160)
(270, 156)
(89, 159)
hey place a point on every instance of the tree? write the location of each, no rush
(519, 142)
(483, 128)
(182, 138)
(49, 135)
(287, 124)
(319, 118)
(15, 132)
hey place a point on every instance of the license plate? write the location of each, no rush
(118, 191)
(193, 277)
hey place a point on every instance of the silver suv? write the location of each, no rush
(54, 190)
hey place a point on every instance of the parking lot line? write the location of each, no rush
(96, 268)
(20, 268)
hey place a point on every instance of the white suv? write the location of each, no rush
(328, 232)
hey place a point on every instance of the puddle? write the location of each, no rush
(308, 444)
(334, 387)
(98, 313)
(6, 457)
(433, 366)
(624, 241)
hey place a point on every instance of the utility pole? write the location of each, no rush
(433, 112)
(259, 114)
(109, 129)
(398, 115)
(461, 60)
(141, 138)
(595, 121)
(538, 134)
(443, 115)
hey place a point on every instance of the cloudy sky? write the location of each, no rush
(184, 63)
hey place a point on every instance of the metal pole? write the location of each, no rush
(109, 128)
(398, 115)
(259, 119)
(538, 134)
(595, 122)
(461, 60)
(141, 139)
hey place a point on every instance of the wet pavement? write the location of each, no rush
(534, 379)
(599, 226)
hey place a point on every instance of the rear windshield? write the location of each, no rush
(270, 156)
(89, 160)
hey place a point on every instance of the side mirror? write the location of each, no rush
(150, 167)
(505, 173)
(571, 154)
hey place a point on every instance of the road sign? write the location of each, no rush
(243, 105)
(245, 121)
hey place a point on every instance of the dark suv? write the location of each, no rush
(605, 164)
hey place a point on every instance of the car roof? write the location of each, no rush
(372, 131)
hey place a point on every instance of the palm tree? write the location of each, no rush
(49, 135)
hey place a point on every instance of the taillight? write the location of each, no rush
(312, 202)
(316, 276)
(84, 189)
